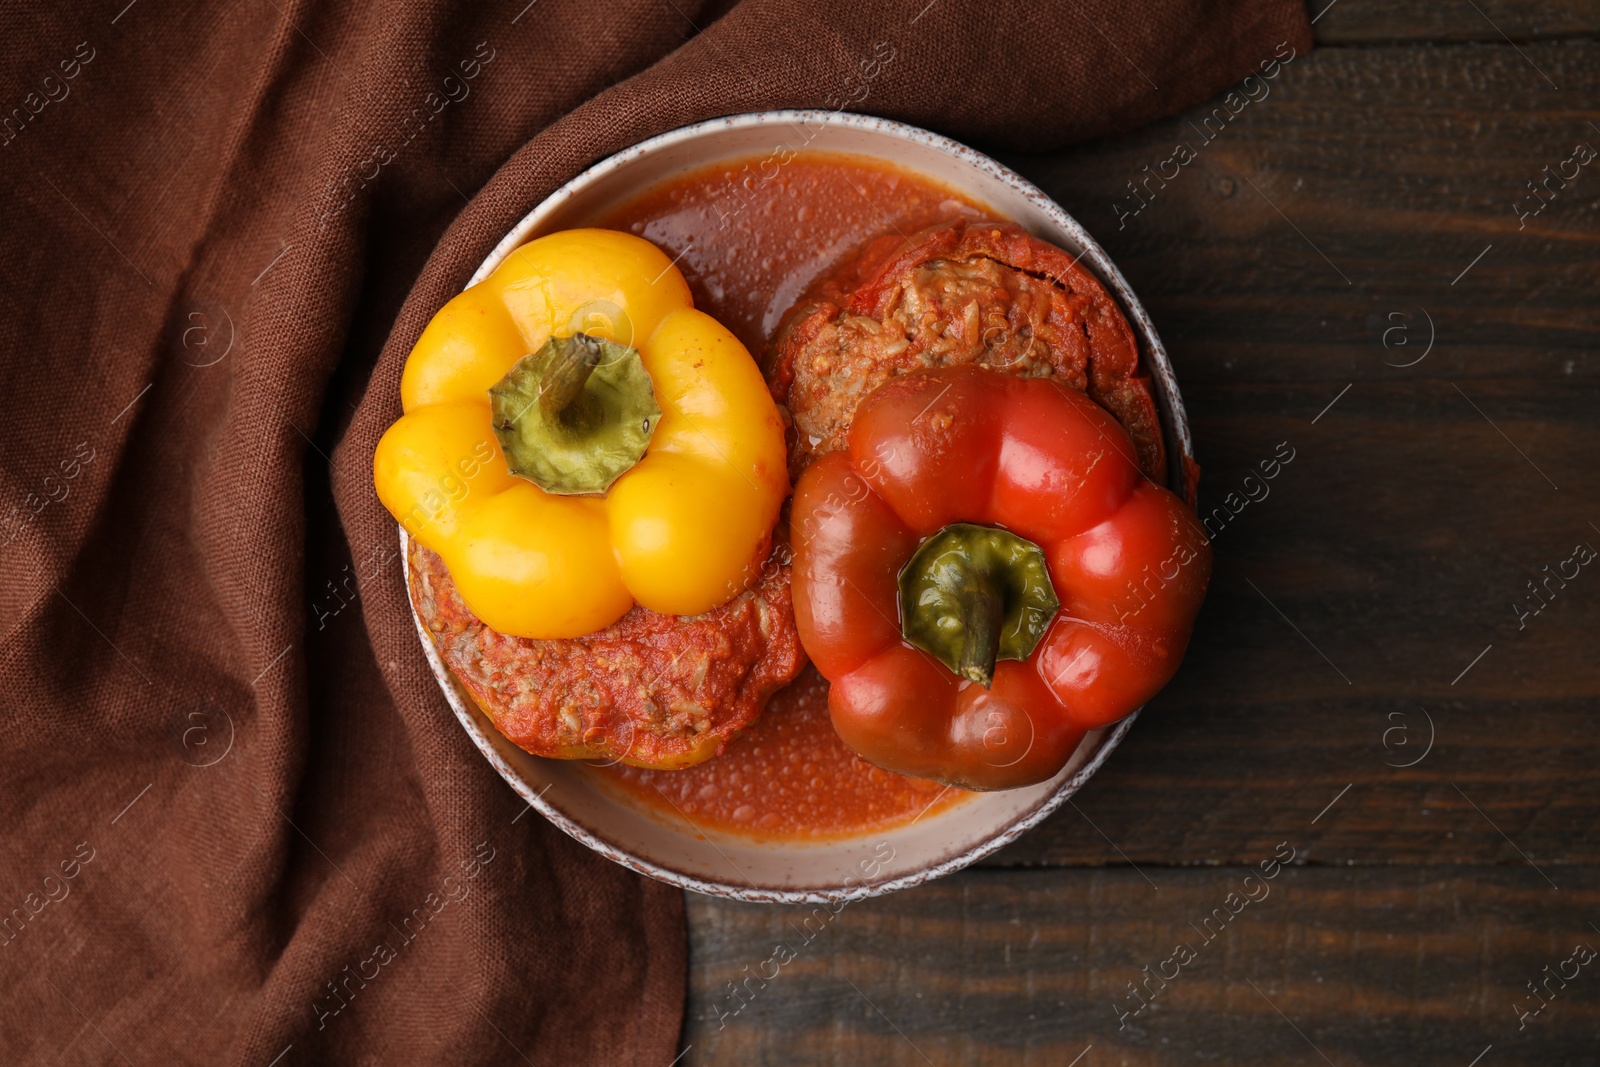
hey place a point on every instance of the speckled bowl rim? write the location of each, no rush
(1175, 427)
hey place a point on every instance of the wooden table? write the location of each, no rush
(1341, 269)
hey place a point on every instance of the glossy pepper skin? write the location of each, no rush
(1127, 560)
(681, 532)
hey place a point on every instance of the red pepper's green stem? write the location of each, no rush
(971, 595)
(983, 617)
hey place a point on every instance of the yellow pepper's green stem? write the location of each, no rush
(971, 595)
(561, 386)
(574, 416)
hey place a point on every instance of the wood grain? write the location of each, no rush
(1343, 22)
(1367, 966)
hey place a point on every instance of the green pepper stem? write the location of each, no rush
(577, 357)
(971, 595)
(983, 616)
(575, 415)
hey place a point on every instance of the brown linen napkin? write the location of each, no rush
(242, 825)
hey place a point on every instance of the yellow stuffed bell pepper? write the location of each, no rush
(577, 438)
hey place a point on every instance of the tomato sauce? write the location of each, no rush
(751, 236)
(788, 775)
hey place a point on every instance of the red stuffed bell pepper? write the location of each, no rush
(984, 575)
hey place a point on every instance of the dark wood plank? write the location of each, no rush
(1387, 966)
(1351, 597)
(1342, 22)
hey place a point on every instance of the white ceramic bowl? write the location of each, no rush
(591, 808)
